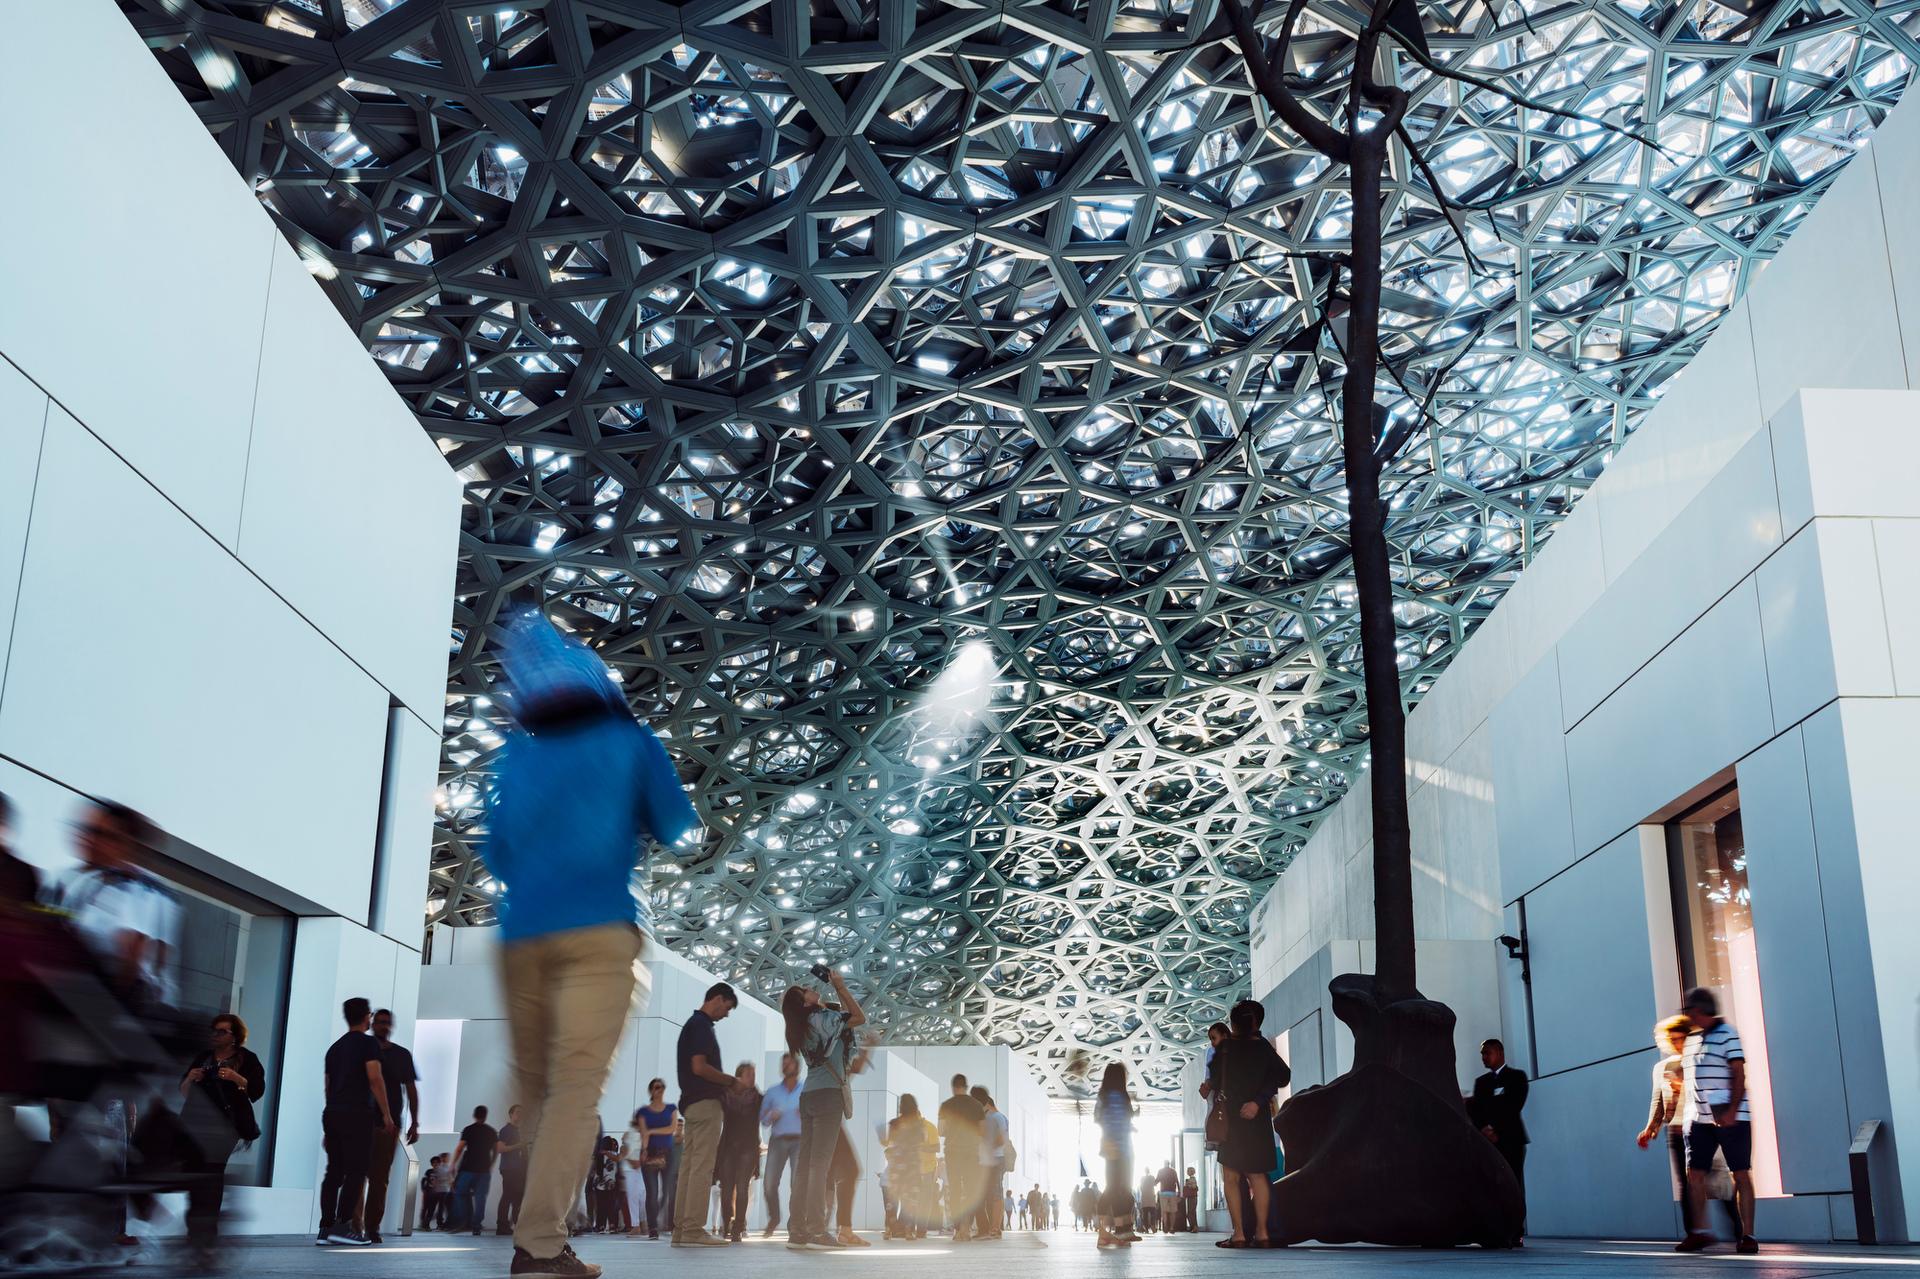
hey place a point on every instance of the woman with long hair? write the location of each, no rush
(1249, 1074)
(821, 1034)
(216, 1114)
(1669, 1109)
(913, 1158)
(739, 1159)
(659, 1123)
(1113, 1112)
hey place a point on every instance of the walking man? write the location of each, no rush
(396, 1067)
(513, 1172)
(577, 789)
(356, 1106)
(473, 1158)
(780, 1116)
(1498, 1097)
(1715, 1095)
(703, 1082)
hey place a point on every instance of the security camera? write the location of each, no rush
(1516, 948)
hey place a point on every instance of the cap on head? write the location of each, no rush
(1701, 1000)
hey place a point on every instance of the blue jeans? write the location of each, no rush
(470, 1200)
(781, 1151)
(658, 1190)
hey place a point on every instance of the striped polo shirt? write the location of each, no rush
(1710, 1056)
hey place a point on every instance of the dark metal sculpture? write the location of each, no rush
(785, 348)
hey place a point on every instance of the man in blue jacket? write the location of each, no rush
(580, 788)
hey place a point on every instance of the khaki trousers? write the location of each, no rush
(568, 997)
(698, 1149)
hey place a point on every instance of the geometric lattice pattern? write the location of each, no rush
(787, 346)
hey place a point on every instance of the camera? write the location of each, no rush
(821, 972)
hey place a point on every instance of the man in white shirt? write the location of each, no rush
(1719, 1118)
(125, 915)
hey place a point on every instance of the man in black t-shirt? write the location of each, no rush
(513, 1172)
(396, 1067)
(473, 1175)
(356, 1107)
(703, 1082)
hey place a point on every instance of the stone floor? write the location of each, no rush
(1068, 1256)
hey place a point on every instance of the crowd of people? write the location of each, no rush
(165, 1100)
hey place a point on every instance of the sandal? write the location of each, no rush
(1230, 1243)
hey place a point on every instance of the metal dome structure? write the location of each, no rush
(924, 405)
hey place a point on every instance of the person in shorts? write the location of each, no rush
(1720, 1120)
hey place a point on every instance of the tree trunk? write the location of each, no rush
(1373, 584)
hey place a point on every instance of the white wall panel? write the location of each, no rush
(1705, 415)
(1880, 739)
(1848, 453)
(331, 435)
(1850, 952)
(1731, 525)
(183, 690)
(172, 390)
(406, 836)
(1802, 1039)
(1896, 155)
(1583, 1168)
(1533, 813)
(1835, 265)
(1469, 835)
(1593, 991)
(1698, 705)
(1826, 632)
(1897, 551)
(23, 420)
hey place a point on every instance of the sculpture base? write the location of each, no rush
(1385, 1154)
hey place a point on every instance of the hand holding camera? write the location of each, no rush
(821, 973)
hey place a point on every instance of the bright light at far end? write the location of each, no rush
(957, 701)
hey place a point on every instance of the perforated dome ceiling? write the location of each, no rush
(788, 349)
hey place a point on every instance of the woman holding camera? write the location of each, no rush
(822, 1035)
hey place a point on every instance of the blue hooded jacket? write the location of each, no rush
(575, 800)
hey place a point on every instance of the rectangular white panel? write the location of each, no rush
(23, 419)
(1593, 989)
(1533, 810)
(350, 512)
(1834, 266)
(1729, 527)
(186, 688)
(1880, 734)
(1790, 931)
(1585, 1174)
(1897, 552)
(1848, 453)
(1469, 839)
(1896, 156)
(406, 833)
(135, 296)
(1694, 709)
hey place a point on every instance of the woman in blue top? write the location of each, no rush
(657, 1121)
(1113, 1111)
(821, 1034)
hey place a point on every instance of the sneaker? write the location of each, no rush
(349, 1239)
(698, 1238)
(563, 1266)
(375, 1239)
(799, 1243)
(1698, 1241)
(1748, 1245)
(826, 1243)
(322, 1241)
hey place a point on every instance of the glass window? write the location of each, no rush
(1713, 916)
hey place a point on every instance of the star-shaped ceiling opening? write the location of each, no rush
(795, 352)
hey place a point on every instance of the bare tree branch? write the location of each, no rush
(1440, 197)
(1272, 83)
(1518, 99)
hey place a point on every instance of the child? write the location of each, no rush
(434, 1191)
(604, 1198)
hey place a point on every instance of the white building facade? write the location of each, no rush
(226, 564)
(1684, 749)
